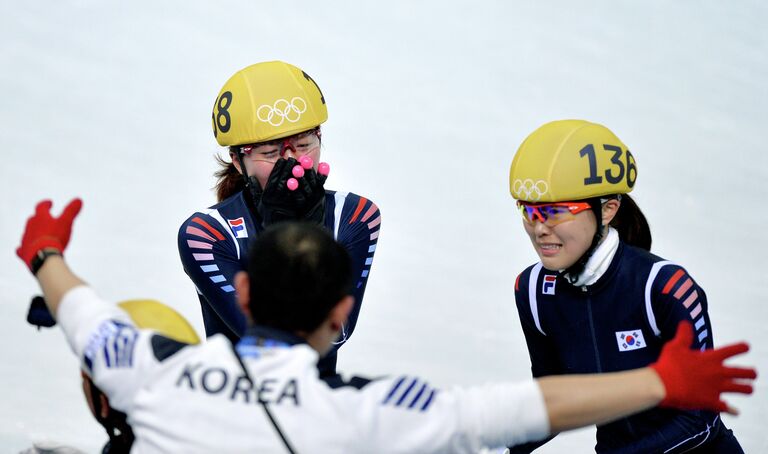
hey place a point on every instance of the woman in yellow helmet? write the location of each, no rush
(598, 300)
(269, 116)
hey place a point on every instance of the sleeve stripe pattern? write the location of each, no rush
(207, 246)
(407, 391)
(691, 298)
(360, 205)
(683, 288)
(368, 214)
(121, 351)
(688, 296)
(394, 390)
(115, 341)
(373, 224)
(418, 394)
(199, 244)
(197, 232)
(417, 402)
(208, 227)
(696, 311)
(372, 209)
(532, 280)
(672, 281)
(429, 400)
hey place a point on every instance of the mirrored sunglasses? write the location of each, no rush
(551, 214)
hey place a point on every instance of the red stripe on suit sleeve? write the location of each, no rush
(213, 231)
(359, 209)
(672, 281)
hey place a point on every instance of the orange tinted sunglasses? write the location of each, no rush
(551, 214)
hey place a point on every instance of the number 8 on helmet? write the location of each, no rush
(267, 101)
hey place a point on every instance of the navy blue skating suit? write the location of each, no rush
(213, 245)
(621, 322)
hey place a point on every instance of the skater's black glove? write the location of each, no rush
(278, 203)
(311, 196)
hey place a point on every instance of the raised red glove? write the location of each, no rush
(695, 379)
(44, 231)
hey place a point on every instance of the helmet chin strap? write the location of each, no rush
(573, 272)
(253, 189)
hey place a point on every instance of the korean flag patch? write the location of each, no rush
(238, 227)
(630, 340)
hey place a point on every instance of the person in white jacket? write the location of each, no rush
(263, 394)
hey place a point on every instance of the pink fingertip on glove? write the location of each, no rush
(298, 171)
(306, 162)
(323, 168)
(292, 184)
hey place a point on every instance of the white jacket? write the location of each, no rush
(199, 398)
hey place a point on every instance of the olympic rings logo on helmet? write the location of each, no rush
(529, 190)
(282, 111)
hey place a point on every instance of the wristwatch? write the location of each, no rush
(40, 257)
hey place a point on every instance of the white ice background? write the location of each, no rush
(428, 100)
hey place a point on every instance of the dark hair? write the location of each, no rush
(631, 224)
(228, 180)
(298, 273)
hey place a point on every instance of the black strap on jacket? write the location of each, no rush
(263, 404)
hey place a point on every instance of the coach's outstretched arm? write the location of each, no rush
(491, 416)
(42, 245)
(507, 414)
(681, 378)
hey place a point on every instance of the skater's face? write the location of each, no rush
(561, 245)
(260, 158)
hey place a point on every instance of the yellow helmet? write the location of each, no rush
(154, 315)
(571, 160)
(267, 101)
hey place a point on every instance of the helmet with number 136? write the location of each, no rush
(571, 160)
(575, 170)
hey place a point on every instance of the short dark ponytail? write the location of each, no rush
(298, 273)
(631, 224)
(228, 180)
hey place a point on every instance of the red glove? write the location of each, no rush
(43, 231)
(695, 379)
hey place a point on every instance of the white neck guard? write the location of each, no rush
(600, 260)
